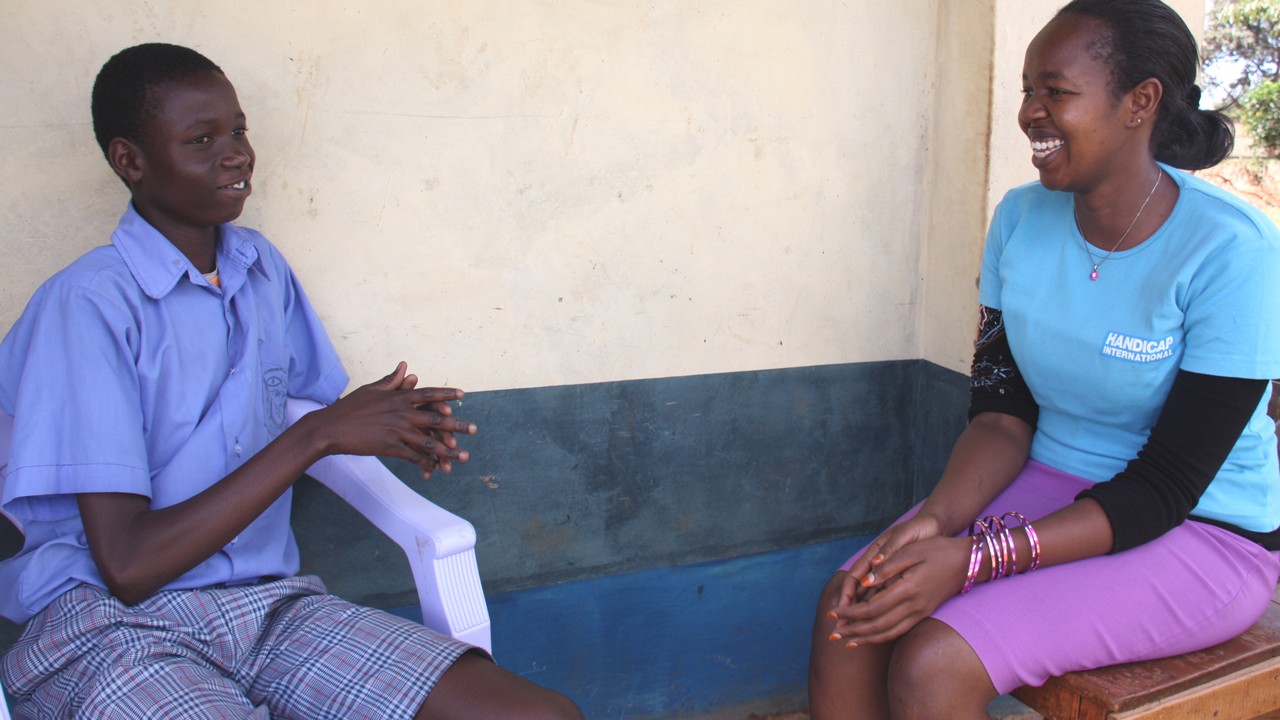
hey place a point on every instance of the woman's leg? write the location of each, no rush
(845, 682)
(1192, 587)
(935, 675)
(931, 672)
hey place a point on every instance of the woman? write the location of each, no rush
(1116, 495)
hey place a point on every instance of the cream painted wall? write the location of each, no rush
(519, 194)
(957, 182)
(551, 192)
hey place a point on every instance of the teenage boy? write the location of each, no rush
(151, 469)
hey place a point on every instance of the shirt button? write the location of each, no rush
(238, 449)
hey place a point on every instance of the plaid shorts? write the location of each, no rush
(283, 649)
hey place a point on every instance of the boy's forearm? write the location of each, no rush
(139, 550)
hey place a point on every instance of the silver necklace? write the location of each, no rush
(1093, 274)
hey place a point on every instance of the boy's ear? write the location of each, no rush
(126, 160)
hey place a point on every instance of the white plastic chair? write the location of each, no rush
(440, 545)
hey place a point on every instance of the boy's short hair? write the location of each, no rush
(122, 92)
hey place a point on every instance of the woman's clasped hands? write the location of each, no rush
(899, 580)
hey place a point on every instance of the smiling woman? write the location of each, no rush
(1118, 438)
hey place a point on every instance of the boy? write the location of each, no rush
(151, 469)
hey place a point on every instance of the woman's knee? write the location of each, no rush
(822, 649)
(823, 623)
(935, 673)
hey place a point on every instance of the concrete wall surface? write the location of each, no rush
(548, 193)
(531, 194)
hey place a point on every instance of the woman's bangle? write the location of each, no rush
(1004, 563)
(975, 562)
(994, 526)
(994, 535)
(979, 527)
(1033, 540)
(1007, 548)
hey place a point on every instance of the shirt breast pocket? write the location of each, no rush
(274, 392)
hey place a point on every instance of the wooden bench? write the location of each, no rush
(1237, 680)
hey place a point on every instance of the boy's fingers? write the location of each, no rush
(429, 395)
(394, 379)
(441, 451)
(436, 421)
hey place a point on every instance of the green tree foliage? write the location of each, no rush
(1260, 112)
(1245, 34)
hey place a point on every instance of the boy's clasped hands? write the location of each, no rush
(393, 417)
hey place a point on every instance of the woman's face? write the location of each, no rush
(1077, 127)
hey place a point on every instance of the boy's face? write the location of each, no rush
(194, 163)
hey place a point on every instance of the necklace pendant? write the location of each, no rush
(1094, 275)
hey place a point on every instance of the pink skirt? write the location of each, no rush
(1195, 586)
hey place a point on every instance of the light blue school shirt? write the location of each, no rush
(1202, 294)
(128, 372)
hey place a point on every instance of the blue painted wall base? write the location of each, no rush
(680, 642)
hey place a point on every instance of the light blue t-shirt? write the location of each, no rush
(1202, 294)
(129, 372)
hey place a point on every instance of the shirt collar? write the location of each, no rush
(157, 264)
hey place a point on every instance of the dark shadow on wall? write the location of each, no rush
(575, 482)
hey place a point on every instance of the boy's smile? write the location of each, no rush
(191, 170)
